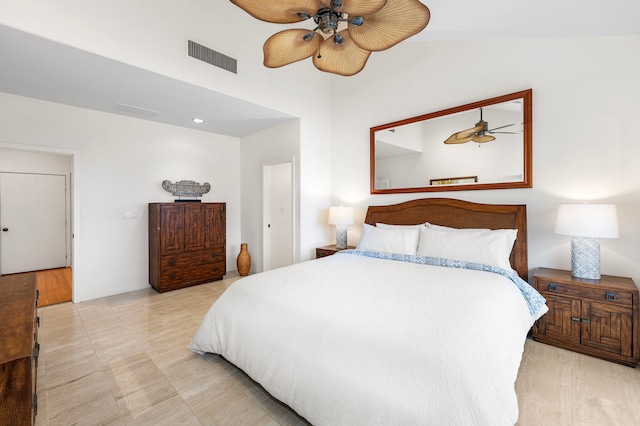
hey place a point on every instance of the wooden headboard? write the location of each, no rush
(460, 214)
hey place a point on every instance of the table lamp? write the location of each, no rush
(585, 223)
(341, 217)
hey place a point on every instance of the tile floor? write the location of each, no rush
(122, 360)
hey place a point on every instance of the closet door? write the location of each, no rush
(32, 222)
(194, 225)
(171, 229)
(215, 224)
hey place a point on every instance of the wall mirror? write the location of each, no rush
(481, 145)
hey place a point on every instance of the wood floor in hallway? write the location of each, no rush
(54, 285)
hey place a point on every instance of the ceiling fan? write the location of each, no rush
(349, 30)
(480, 133)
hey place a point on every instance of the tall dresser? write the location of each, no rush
(19, 349)
(187, 244)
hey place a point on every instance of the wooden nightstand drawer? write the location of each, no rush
(592, 292)
(594, 317)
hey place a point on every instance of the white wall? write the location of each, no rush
(154, 38)
(34, 162)
(585, 115)
(119, 164)
(277, 143)
(584, 103)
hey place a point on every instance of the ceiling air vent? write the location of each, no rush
(212, 57)
(133, 110)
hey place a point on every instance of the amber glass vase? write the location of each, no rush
(244, 260)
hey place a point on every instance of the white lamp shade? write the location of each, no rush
(341, 216)
(587, 220)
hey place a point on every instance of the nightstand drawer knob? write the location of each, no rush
(611, 295)
(553, 287)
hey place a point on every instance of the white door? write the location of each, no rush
(32, 222)
(278, 216)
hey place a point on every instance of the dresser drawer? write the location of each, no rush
(620, 297)
(19, 349)
(188, 259)
(180, 277)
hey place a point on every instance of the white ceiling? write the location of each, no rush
(475, 19)
(39, 68)
(42, 69)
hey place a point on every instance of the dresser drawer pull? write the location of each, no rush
(575, 319)
(36, 353)
(611, 295)
(586, 321)
(172, 262)
(553, 287)
(35, 404)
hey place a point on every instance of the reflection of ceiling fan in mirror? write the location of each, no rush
(480, 133)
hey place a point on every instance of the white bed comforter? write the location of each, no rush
(350, 340)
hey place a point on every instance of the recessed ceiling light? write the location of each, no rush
(198, 120)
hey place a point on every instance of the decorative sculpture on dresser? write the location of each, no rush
(186, 188)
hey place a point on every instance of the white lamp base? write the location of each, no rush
(585, 258)
(341, 236)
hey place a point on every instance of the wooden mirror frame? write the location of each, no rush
(526, 182)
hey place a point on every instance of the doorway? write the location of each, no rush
(46, 172)
(278, 214)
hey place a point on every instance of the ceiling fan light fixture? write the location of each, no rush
(360, 7)
(345, 58)
(373, 25)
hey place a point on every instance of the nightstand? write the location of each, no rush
(329, 250)
(593, 317)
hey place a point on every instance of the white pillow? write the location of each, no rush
(386, 225)
(389, 240)
(484, 246)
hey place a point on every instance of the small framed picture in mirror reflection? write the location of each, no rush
(454, 180)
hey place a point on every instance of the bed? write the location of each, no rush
(390, 333)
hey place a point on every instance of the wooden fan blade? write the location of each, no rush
(279, 11)
(396, 21)
(456, 139)
(482, 139)
(288, 46)
(358, 7)
(463, 136)
(344, 59)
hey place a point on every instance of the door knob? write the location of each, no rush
(5, 229)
